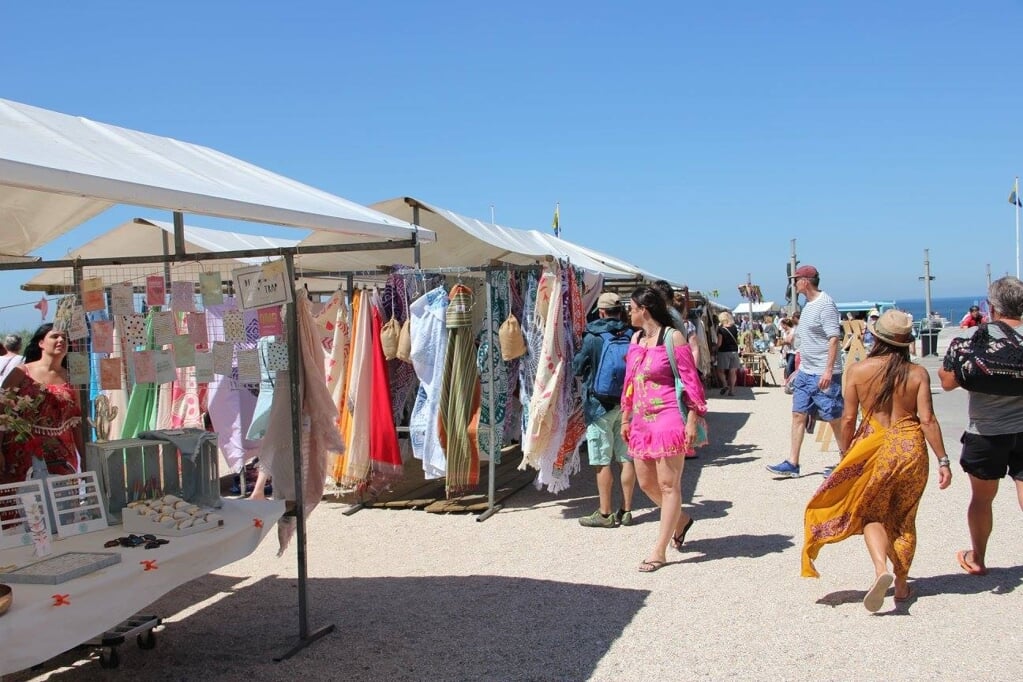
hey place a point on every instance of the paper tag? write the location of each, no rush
(277, 356)
(78, 368)
(197, 329)
(135, 329)
(210, 288)
(234, 326)
(92, 294)
(122, 299)
(145, 368)
(77, 328)
(204, 367)
(110, 374)
(163, 328)
(223, 357)
(270, 321)
(156, 292)
(248, 366)
(182, 297)
(102, 336)
(184, 351)
(164, 364)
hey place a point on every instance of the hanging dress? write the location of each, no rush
(459, 397)
(385, 456)
(429, 347)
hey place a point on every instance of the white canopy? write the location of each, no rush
(57, 171)
(146, 237)
(464, 241)
(762, 308)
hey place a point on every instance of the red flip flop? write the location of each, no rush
(972, 569)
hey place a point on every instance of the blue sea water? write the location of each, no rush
(952, 308)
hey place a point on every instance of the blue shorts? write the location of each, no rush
(808, 398)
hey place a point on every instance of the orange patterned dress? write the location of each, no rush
(880, 479)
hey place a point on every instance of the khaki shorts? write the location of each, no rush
(604, 439)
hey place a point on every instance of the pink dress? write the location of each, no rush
(648, 400)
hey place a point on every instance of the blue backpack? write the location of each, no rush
(609, 378)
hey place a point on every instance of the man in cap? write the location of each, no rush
(817, 386)
(604, 346)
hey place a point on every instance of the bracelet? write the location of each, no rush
(944, 462)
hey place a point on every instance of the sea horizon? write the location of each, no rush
(952, 308)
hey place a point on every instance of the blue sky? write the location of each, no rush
(695, 140)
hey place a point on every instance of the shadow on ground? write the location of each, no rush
(396, 628)
(745, 545)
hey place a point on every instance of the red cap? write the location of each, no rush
(805, 271)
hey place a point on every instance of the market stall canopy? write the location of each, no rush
(762, 308)
(57, 171)
(464, 241)
(145, 237)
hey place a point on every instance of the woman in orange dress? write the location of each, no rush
(876, 488)
(56, 442)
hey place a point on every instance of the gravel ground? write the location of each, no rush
(531, 595)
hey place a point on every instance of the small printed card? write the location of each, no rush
(77, 329)
(145, 369)
(156, 292)
(270, 321)
(248, 366)
(204, 367)
(183, 297)
(163, 328)
(135, 329)
(277, 356)
(122, 299)
(92, 294)
(102, 336)
(110, 374)
(197, 329)
(78, 368)
(210, 288)
(234, 326)
(163, 362)
(223, 357)
(184, 351)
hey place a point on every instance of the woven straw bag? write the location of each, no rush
(513, 344)
(459, 312)
(404, 352)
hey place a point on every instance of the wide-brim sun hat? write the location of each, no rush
(894, 328)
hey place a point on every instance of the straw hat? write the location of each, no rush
(894, 328)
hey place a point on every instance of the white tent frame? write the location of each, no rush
(57, 171)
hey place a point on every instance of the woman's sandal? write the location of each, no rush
(677, 540)
(651, 566)
(910, 593)
(967, 565)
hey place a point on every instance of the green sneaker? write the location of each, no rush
(598, 520)
(624, 518)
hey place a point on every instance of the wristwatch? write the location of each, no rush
(944, 462)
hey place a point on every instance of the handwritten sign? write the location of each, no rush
(102, 336)
(259, 289)
(204, 367)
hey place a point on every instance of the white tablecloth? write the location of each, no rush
(38, 628)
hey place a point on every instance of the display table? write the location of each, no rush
(46, 620)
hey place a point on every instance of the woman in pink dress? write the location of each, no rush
(652, 423)
(56, 441)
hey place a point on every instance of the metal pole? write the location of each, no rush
(179, 233)
(415, 250)
(793, 303)
(926, 324)
(1016, 207)
(749, 297)
(294, 367)
(489, 360)
(989, 275)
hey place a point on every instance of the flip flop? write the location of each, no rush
(972, 569)
(677, 540)
(651, 566)
(874, 598)
(909, 595)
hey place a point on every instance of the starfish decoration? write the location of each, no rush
(62, 600)
(258, 523)
(149, 565)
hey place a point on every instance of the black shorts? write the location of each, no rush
(992, 457)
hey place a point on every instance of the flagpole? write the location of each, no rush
(1017, 202)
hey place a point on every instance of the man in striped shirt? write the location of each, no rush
(817, 387)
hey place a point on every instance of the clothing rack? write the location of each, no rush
(485, 270)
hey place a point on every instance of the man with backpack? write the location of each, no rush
(600, 363)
